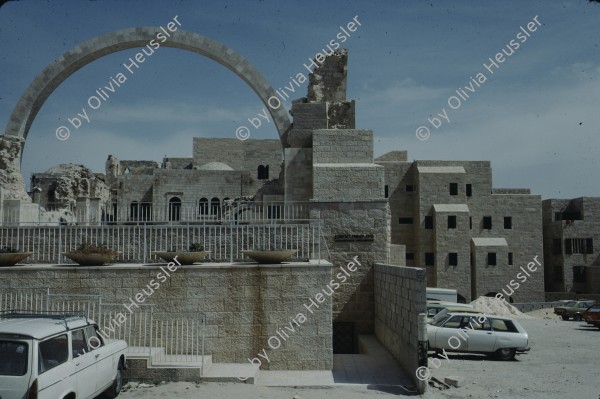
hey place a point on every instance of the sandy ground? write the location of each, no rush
(564, 362)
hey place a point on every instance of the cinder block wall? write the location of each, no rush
(399, 298)
(245, 304)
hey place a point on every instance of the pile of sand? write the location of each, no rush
(498, 307)
(546, 313)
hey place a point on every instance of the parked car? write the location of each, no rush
(444, 314)
(434, 307)
(57, 356)
(592, 313)
(573, 309)
(477, 333)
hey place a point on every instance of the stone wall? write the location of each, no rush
(245, 304)
(400, 296)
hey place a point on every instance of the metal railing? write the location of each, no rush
(204, 211)
(138, 244)
(166, 339)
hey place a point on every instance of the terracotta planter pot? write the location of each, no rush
(89, 259)
(272, 257)
(12, 259)
(184, 258)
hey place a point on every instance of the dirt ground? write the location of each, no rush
(564, 362)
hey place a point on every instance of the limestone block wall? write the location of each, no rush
(400, 296)
(342, 146)
(353, 301)
(245, 304)
(240, 155)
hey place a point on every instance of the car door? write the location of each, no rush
(480, 335)
(54, 367)
(450, 336)
(105, 370)
(84, 365)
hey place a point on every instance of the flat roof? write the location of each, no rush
(489, 242)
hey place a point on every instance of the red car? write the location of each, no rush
(592, 314)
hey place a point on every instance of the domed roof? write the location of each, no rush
(215, 166)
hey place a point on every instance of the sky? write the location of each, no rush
(535, 117)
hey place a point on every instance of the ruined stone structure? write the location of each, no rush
(469, 236)
(571, 227)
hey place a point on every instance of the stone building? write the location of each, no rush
(194, 189)
(571, 226)
(469, 236)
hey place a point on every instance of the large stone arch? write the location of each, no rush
(64, 66)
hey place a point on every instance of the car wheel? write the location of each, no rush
(577, 317)
(506, 353)
(565, 317)
(115, 389)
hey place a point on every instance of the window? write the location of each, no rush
(429, 259)
(405, 220)
(504, 325)
(93, 338)
(53, 352)
(469, 190)
(507, 222)
(274, 212)
(451, 222)
(579, 246)
(174, 209)
(203, 206)
(429, 222)
(557, 216)
(263, 172)
(133, 211)
(146, 212)
(453, 259)
(453, 188)
(557, 246)
(386, 191)
(14, 357)
(487, 222)
(510, 258)
(410, 256)
(79, 343)
(215, 206)
(456, 321)
(480, 325)
(409, 188)
(579, 274)
(491, 258)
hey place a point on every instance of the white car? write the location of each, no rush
(478, 333)
(57, 356)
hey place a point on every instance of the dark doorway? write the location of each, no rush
(343, 338)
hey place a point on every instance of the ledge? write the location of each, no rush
(315, 263)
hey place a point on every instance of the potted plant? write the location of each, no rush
(272, 256)
(11, 256)
(195, 253)
(91, 255)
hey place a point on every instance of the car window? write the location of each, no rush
(504, 325)
(432, 312)
(477, 325)
(456, 322)
(93, 338)
(53, 352)
(80, 346)
(13, 357)
(595, 308)
(583, 305)
(570, 304)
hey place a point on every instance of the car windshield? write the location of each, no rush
(570, 304)
(439, 318)
(14, 356)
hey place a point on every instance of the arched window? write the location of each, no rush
(215, 206)
(133, 211)
(263, 172)
(203, 206)
(146, 211)
(174, 209)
